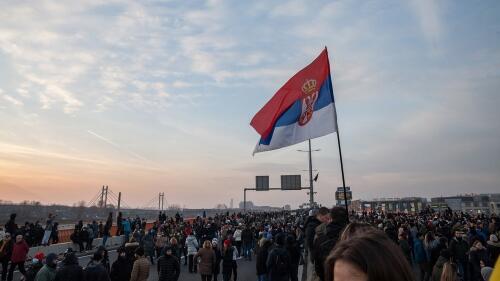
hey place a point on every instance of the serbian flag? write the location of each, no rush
(302, 109)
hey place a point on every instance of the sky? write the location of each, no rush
(157, 96)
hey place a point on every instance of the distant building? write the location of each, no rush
(339, 196)
(469, 203)
(391, 205)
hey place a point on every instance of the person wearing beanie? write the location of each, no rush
(122, 267)
(140, 270)
(36, 265)
(493, 247)
(48, 271)
(218, 257)
(229, 255)
(168, 266)
(70, 269)
(478, 258)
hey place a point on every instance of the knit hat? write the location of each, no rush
(39, 256)
(51, 258)
(493, 238)
(215, 241)
(227, 242)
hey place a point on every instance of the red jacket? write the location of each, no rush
(19, 251)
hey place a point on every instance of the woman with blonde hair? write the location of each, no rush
(449, 272)
(206, 256)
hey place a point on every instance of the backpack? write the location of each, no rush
(281, 264)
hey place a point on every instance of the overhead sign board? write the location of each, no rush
(291, 182)
(262, 183)
(339, 194)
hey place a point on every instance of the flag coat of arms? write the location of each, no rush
(302, 109)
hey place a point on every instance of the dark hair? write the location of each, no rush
(339, 215)
(97, 256)
(139, 251)
(323, 211)
(374, 254)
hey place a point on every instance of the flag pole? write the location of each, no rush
(338, 138)
(311, 189)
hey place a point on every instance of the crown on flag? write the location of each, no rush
(309, 86)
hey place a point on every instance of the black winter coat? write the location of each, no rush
(169, 268)
(121, 269)
(262, 255)
(70, 270)
(310, 226)
(323, 245)
(95, 272)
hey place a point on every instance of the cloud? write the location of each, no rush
(428, 14)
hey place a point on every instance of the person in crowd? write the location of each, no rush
(148, 244)
(278, 261)
(419, 254)
(459, 249)
(54, 235)
(237, 239)
(36, 265)
(105, 258)
(324, 244)
(107, 229)
(229, 255)
(90, 237)
(218, 257)
(122, 267)
(247, 242)
(367, 256)
(126, 230)
(493, 247)
(294, 253)
(48, 271)
(261, 259)
(192, 249)
(316, 217)
(70, 269)
(404, 244)
(140, 270)
(6, 246)
(160, 243)
(11, 226)
(449, 272)
(119, 224)
(207, 261)
(95, 271)
(18, 258)
(431, 246)
(168, 266)
(444, 257)
(48, 230)
(478, 258)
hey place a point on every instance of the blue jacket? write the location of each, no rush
(419, 251)
(126, 226)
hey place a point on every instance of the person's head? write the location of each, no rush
(168, 250)
(354, 229)
(339, 215)
(215, 242)
(139, 252)
(13, 216)
(207, 244)
(323, 215)
(368, 256)
(51, 260)
(7, 236)
(280, 239)
(173, 241)
(19, 238)
(477, 244)
(449, 272)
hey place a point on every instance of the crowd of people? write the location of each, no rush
(330, 244)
